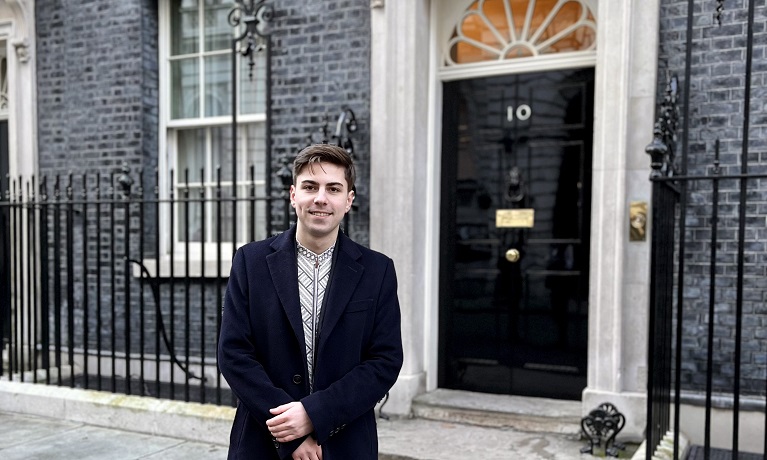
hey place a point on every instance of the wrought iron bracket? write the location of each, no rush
(661, 149)
(256, 16)
(718, 12)
(346, 124)
(602, 425)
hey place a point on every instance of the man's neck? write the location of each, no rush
(316, 245)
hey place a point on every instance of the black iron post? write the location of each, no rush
(254, 15)
(286, 177)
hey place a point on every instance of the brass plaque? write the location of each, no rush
(514, 218)
(638, 221)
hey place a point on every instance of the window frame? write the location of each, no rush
(168, 158)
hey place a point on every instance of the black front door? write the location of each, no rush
(516, 182)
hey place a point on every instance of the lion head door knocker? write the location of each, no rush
(516, 190)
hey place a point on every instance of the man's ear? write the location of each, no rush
(349, 200)
(293, 195)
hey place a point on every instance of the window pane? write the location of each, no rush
(218, 88)
(185, 87)
(189, 224)
(250, 151)
(218, 32)
(190, 154)
(253, 91)
(185, 28)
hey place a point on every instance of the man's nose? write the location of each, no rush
(321, 197)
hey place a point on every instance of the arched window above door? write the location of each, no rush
(500, 30)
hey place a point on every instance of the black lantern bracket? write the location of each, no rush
(345, 126)
(256, 16)
(661, 149)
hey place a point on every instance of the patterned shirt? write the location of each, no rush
(313, 276)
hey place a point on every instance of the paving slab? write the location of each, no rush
(25, 437)
(418, 439)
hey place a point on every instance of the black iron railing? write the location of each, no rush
(706, 278)
(111, 287)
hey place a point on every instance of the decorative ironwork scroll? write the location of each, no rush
(346, 124)
(718, 12)
(603, 424)
(256, 16)
(662, 147)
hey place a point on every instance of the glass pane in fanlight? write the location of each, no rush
(189, 213)
(495, 12)
(581, 38)
(464, 53)
(218, 32)
(184, 24)
(190, 154)
(253, 84)
(185, 88)
(218, 88)
(474, 27)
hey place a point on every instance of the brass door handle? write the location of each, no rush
(512, 255)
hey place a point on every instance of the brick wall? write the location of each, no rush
(717, 97)
(321, 64)
(97, 84)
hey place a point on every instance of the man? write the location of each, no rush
(310, 337)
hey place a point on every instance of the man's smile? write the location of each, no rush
(319, 213)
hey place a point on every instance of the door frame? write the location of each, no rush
(443, 16)
(447, 224)
(405, 55)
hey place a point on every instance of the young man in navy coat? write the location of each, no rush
(310, 336)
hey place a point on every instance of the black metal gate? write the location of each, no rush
(708, 288)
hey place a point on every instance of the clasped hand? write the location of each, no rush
(290, 422)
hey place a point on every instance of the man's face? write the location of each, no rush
(321, 198)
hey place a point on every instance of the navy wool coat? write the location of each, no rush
(263, 357)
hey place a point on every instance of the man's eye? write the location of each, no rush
(308, 187)
(335, 189)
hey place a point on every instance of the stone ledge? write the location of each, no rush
(183, 420)
(500, 411)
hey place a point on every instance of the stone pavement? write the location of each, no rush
(30, 437)
(25, 437)
(42, 422)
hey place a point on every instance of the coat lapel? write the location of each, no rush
(284, 273)
(345, 276)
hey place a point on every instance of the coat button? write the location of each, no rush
(297, 379)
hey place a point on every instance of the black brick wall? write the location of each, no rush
(97, 84)
(321, 64)
(98, 102)
(717, 104)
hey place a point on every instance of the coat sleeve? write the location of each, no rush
(360, 389)
(237, 355)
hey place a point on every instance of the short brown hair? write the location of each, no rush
(327, 153)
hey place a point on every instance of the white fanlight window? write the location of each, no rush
(499, 32)
(196, 116)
